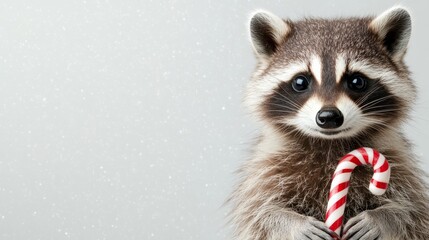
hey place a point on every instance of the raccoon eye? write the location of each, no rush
(300, 84)
(357, 83)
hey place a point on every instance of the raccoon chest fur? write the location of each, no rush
(304, 182)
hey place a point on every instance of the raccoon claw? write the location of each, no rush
(314, 229)
(361, 227)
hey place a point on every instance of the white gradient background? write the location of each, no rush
(123, 119)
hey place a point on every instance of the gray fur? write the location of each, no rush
(283, 189)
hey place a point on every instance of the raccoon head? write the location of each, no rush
(331, 78)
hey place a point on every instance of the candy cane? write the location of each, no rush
(341, 178)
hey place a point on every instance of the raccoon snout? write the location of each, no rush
(329, 117)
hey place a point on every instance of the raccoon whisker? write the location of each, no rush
(381, 99)
(375, 101)
(376, 124)
(280, 111)
(298, 104)
(378, 109)
(292, 102)
(375, 113)
(282, 106)
(296, 133)
(352, 115)
(381, 106)
(381, 112)
(287, 100)
(365, 97)
(369, 93)
(380, 127)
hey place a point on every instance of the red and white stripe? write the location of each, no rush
(341, 178)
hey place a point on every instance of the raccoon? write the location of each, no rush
(322, 88)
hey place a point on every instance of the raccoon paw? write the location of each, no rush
(312, 229)
(361, 227)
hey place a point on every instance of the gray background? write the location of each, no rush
(123, 119)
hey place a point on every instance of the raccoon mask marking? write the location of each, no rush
(353, 82)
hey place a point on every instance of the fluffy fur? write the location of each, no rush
(283, 189)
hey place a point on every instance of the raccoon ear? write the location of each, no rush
(267, 32)
(394, 29)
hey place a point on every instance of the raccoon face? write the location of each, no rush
(331, 78)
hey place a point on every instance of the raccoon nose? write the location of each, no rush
(329, 117)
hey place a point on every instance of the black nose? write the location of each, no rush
(329, 117)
